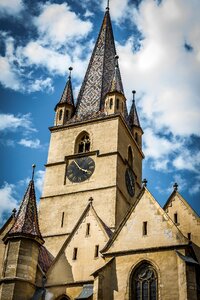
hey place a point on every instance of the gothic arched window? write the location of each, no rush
(83, 143)
(144, 281)
(130, 157)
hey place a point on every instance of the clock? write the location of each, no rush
(130, 181)
(80, 169)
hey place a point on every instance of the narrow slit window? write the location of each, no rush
(60, 114)
(88, 229)
(67, 114)
(189, 236)
(175, 218)
(62, 219)
(136, 137)
(111, 103)
(96, 251)
(117, 104)
(75, 252)
(144, 228)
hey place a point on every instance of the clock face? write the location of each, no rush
(80, 169)
(130, 181)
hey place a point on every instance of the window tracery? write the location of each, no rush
(144, 283)
(83, 143)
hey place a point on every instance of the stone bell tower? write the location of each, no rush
(93, 152)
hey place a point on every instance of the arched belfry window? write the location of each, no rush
(143, 283)
(83, 143)
(130, 157)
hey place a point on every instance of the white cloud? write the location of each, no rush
(187, 160)
(57, 24)
(34, 144)
(195, 188)
(39, 180)
(11, 7)
(42, 85)
(118, 9)
(11, 122)
(40, 55)
(8, 77)
(7, 199)
(165, 75)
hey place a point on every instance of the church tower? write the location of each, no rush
(94, 151)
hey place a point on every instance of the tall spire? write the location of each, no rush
(100, 71)
(133, 115)
(26, 222)
(67, 95)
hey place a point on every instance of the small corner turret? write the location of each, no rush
(115, 100)
(65, 107)
(134, 123)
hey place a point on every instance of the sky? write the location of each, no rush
(158, 43)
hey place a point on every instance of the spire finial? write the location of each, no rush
(175, 186)
(14, 212)
(33, 171)
(70, 71)
(108, 5)
(116, 61)
(133, 92)
(90, 200)
(144, 181)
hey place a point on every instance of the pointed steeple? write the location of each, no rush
(26, 222)
(134, 123)
(67, 95)
(65, 107)
(133, 115)
(99, 75)
(116, 83)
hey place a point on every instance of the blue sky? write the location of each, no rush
(158, 43)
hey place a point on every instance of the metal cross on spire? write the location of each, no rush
(33, 171)
(108, 4)
(70, 71)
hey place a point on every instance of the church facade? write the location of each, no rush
(99, 233)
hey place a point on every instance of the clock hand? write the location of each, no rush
(86, 171)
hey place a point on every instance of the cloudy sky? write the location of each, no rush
(158, 43)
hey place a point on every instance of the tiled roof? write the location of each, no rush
(67, 95)
(133, 118)
(99, 75)
(26, 222)
(45, 259)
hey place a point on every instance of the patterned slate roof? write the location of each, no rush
(67, 95)
(99, 74)
(26, 222)
(133, 118)
(45, 259)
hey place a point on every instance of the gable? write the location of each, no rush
(146, 226)
(85, 241)
(187, 219)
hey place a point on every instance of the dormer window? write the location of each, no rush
(83, 143)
